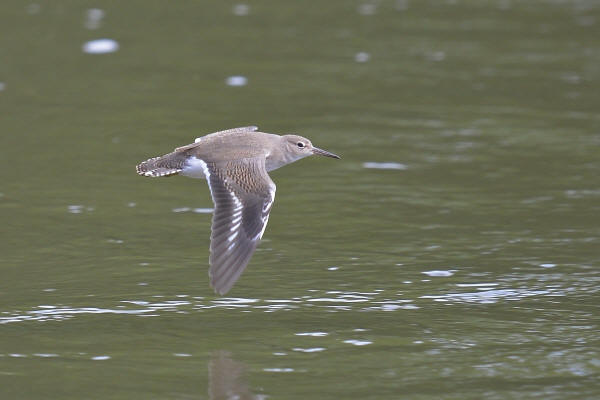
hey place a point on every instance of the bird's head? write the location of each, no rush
(301, 147)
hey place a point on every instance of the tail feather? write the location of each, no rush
(167, 165)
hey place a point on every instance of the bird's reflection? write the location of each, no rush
(226, 378)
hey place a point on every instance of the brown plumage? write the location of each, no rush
(235, 164)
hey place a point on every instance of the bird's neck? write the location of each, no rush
(277, 157)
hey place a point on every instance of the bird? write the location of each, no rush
(235, 163)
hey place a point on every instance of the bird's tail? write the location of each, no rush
(167, 165)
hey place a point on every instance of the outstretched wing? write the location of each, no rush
(243, 194)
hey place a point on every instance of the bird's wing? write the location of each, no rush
(243, 194)
(196, 143)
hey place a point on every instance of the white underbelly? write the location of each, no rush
(195, 168)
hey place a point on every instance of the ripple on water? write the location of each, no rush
(93, 18)
(100, 46)
(316, 334)
(384, 165)
(78, 208)
(194, 210)
(492, 295)
(241, 9)
(438, 273)
(278, 369)
(358, 342)
(236, 80)
(330, 301)
(309, 350)
(362, 57)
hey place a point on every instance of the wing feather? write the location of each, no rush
(243, 194)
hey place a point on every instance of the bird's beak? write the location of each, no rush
(322, 152)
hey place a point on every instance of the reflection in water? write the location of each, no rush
(226, 378)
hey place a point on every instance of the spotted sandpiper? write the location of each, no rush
(235, 163)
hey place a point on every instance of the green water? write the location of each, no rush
(453, 252)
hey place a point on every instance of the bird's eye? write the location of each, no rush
(300, 144)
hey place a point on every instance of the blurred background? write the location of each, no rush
(452, 253)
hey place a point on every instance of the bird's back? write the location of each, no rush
(232, 144)
(229, 145)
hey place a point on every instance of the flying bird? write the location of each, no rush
(235, 164)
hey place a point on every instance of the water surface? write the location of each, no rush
(453, 252)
